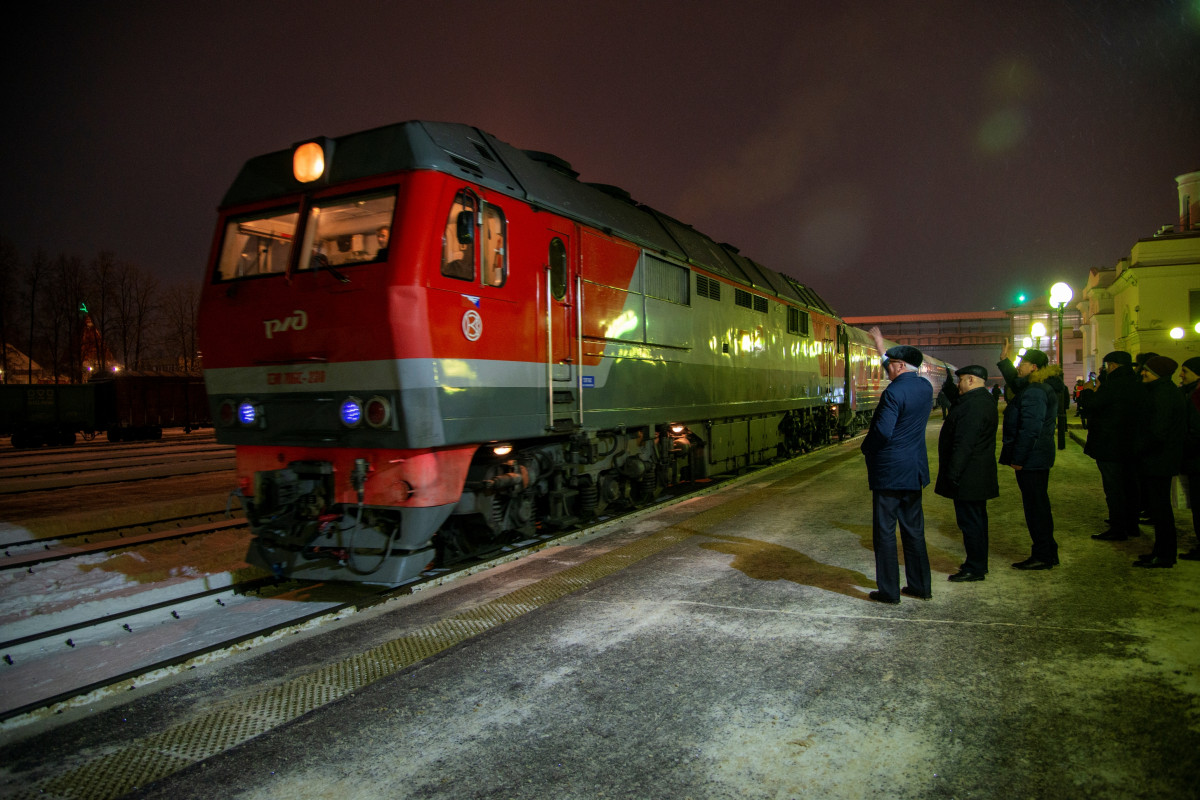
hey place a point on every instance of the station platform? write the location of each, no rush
(723, 647)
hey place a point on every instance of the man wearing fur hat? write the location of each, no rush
(1028, 445)
(1189, 379)
(967, 466)
(1112, 411)
(897, 471)
(1160, 453)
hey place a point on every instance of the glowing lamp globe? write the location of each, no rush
(1060, 294)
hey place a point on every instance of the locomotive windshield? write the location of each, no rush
(338, 232)
(258, 244)
(348, 230)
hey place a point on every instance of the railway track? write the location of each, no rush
(111, 638)
(133, 635)
(67, 468)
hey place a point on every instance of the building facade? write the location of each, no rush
(1150, 300)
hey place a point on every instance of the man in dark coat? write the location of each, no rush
(1160, 453)
(1189, 379)
(967, 466)
(1028, 445)
(1112, 409)
(897, 471)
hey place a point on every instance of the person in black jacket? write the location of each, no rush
(1189, 379)
(1112, 409)
(1161, 432)
(1028, 445)
(967, 466)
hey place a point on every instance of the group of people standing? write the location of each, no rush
(1142, 431)
(1139, 431)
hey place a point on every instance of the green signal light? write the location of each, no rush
(1020, 298)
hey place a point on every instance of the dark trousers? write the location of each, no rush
(1035, 497)
(887, 509)
(973, 522)
(1158, 502)
(1193, 496)
(1120, 493)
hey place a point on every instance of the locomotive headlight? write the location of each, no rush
(249, 413)
(308, 162)
(378, 412)
(677, 429)
(351, 412)
(502, 449)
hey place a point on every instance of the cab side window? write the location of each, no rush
(492, 233)
(458, 239)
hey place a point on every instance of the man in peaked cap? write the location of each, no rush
(1028, 445)
(897, 471)
(967, 466)
(1112, 408)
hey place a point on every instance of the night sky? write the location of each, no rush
(898, 157)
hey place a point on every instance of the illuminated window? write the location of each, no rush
(475, 229)
(458, 239)
(257, 244)
(348, 230)
(495, 266)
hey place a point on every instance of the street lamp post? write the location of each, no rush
(1060, 295)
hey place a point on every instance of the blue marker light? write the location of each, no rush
(247, 413)
(351, 412)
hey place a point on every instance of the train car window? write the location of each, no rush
(558, 268)
(667, 281)
(348, 230)
(797, 321)
(257, 244)
(492, 234)
(458, 242)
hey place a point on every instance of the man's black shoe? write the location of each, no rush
(1111, 536)
(910, 593)
(1033, 563)
(1154, 562)
(963, 576)
(880, 597)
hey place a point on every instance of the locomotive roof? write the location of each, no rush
(540, 179)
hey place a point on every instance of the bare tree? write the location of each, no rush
(179, 314)
(62, 316)
(101, 274)
(133, 294)
(36, 274)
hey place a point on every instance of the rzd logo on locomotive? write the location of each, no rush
(298, 321)
(472, 325)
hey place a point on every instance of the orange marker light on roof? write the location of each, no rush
(308, 162)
